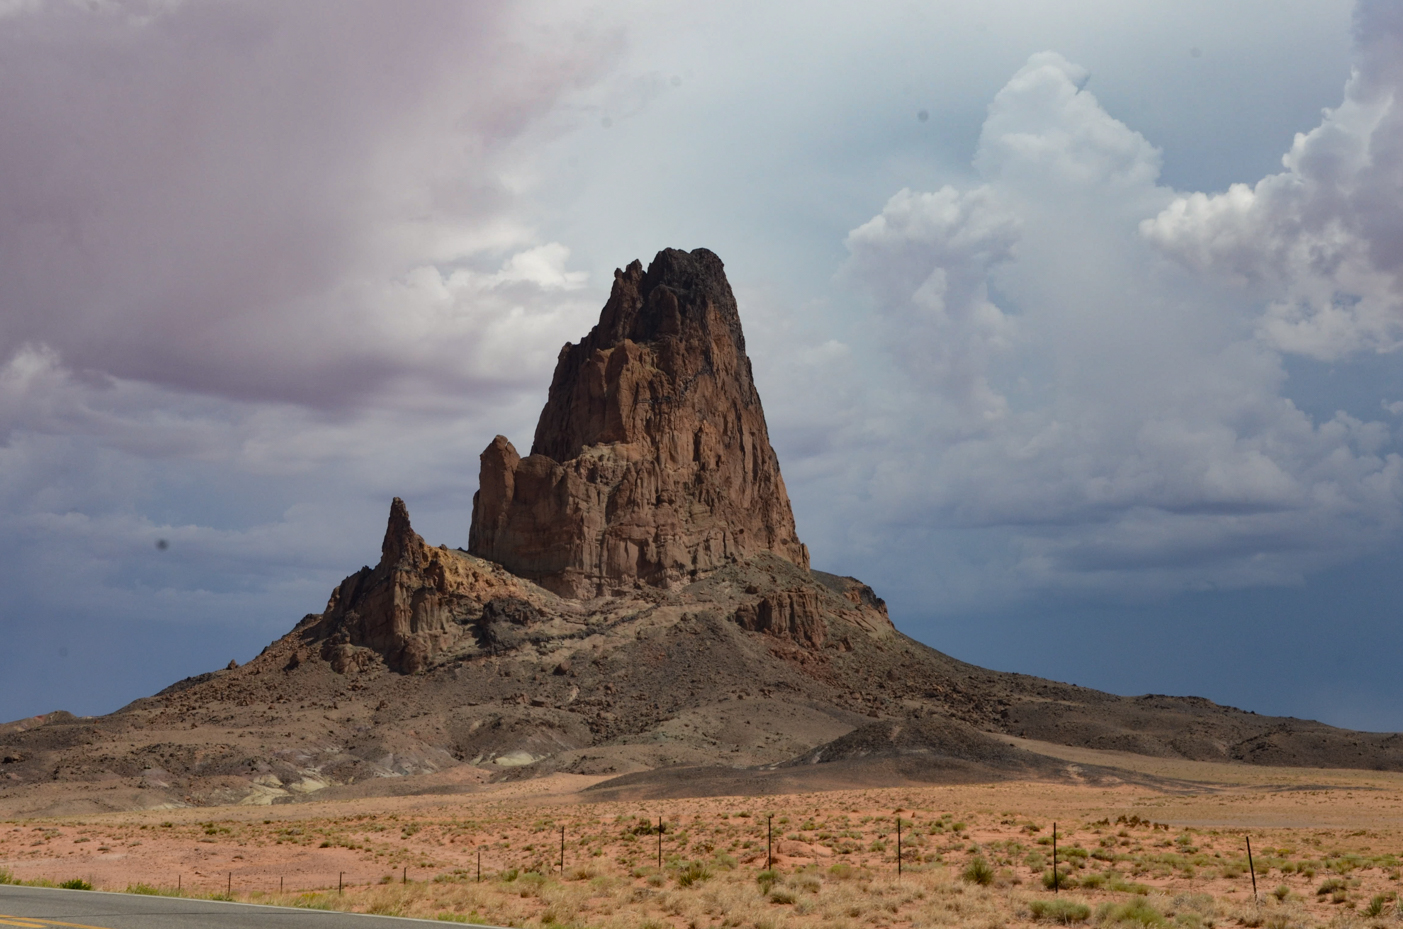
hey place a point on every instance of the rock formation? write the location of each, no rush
(651, 463)
(416, 602)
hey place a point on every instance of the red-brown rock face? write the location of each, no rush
(651, 463)
(408, 608)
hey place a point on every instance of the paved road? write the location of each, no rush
(45, 907)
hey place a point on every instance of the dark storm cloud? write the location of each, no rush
(232, 197)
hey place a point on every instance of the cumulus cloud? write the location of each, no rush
(928, 256)
(1320, 244)
(1133, 433)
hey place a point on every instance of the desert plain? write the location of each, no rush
(1166, 847)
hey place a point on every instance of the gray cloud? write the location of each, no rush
(252, 199)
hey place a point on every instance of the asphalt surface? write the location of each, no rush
(44, 907)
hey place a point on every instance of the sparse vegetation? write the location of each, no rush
(978, 872)
(827, 874)
(1136, 912)
(1059, 911)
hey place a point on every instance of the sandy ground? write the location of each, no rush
(1180, 851)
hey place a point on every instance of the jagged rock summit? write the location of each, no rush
(651, 464)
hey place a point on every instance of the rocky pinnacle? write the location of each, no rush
(651, 464)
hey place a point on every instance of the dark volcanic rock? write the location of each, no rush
(651, 463)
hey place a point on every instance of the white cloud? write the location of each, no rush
(1134, 435)
(928, 256)
(1321, 244)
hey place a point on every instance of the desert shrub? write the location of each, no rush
(841, 871)
(1331, 885)
(1059, 911)
(1281, 892)
(1093, 881)
(1122, 886)
(1376, 906)
(76, 883)
(7, 877)
(1138, 912)
(1203, 904)
(782, 895)
(693, 873)
(1064, 880)
(767, 879)
(144, 889)
(978, 871)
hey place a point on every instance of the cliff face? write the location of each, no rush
(651, 463)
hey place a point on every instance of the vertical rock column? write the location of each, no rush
(651, 463)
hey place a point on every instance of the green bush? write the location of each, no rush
(1064, 881)
(978, 872)
(782, 895)
(767, 880)
(693, 873)
(1376, 906)
(76, 883)
(1281, 892)
(841, 871)
(7, 877)
(1137, 911)
(1331, 885)
(145, 889)
(1060, 911)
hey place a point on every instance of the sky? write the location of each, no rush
(1076, 323)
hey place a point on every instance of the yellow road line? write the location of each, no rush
(32, 922)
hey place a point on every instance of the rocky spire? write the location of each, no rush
(400, 537)
(651, 462)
